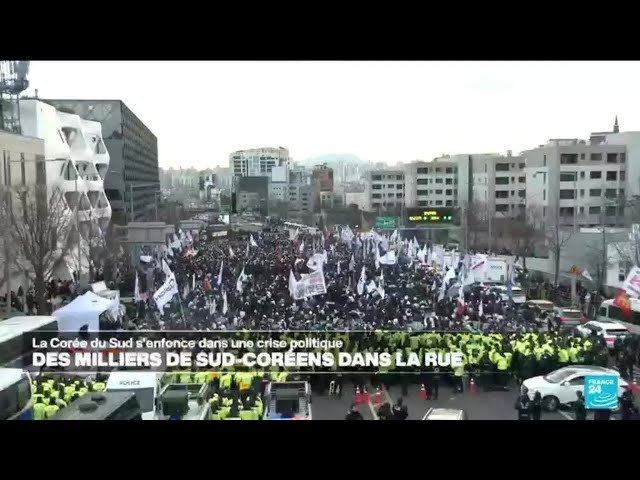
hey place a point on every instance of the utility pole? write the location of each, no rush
(7, 252)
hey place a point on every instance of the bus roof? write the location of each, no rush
(106, 403)
(12, 327)
(128, 380)
(635, 303)
(9, 376)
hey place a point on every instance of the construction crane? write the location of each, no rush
(13, 81)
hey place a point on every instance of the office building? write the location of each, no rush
(300, 191)
(22, 160)
(576, 182)
(431, 184)
(132, 182)
(257, 162)
(384, 190)
(278, 184)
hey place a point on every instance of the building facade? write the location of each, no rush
(257, 162)
(432, 184)
(252, 193)
(384, 190)
(132, 182)
(577, 183)
(322, 182)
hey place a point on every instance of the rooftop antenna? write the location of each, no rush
(13, 81)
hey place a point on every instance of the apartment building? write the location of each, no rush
(300, 191)
(577, 182)
(257, 162)
(384, 190)
(432, 184)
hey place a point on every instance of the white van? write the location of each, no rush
(146, 386)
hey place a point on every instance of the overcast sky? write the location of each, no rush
(379, 111)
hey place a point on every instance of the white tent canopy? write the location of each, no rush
(84, 310)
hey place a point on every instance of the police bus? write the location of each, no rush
(15, 347)
(608, 312)
(287, 401)
(102, 406)
(15, 395)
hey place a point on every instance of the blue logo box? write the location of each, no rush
(601, 392)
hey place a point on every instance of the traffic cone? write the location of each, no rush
(358, 399)
(423, 392)
(472, 386)
(365, 395)
(377, 399)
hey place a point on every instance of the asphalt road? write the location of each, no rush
(479, 406)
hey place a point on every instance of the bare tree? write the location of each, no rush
(557, 237)
(523, 234)
(475, 223)
(41, 232)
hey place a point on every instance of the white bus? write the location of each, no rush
(15, 347)
(15, 395)
(608, 312)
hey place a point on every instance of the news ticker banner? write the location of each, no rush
(213, 351)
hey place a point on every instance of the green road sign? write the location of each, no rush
(385, 222)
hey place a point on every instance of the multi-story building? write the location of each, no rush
(252, 193)
(22, 160)
(257, 162)
(431, 184)
(384, 190)
(576, 182)
(278, 185)
(132, 182)
(300, 198)
(322, 182)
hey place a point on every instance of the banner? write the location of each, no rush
(388, 258)
(310, 285)
(222, 233)
(632, 283)
(316, 261)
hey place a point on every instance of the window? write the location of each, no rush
(438, 192)
(612, 176)
(544, 160)
(623, 176)
(391, 185)
(502, 208)
(596, 157)
(522, 179)
(422, 203)
(376, 177)
(522, 193)
(422, 192)
(594, 175)
(390, 195)
(568, 176)
(610, 211)
(612, 158)
(502, 180)
(485, 168)
(566, 211)
(438, 202)
(448, 170)
(449, 203)
(594, 210)
(502, 194)
(582, 156)
(398, 177)
(438, 180)
(544, 195)
(581, 210)
(423, 181)
(567, 194)
(438, 170)
(544, 212)
(391, 204)
(502, 167)
(376, 195)
(595, 192)
(521, 166)
(422, 171)
(448, 181)
(512, 193)
(581, 192)
(376, 187)
(579, 380)
(610, 193)
(568, 158)
(399, 186)
(398, 195)
(448, 192)
(621, 192)
(455, 192)
(623, 157)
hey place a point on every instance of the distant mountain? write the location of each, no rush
(332, 159)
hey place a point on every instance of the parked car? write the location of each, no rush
(608, 330)
(567, 317)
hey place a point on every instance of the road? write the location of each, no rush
(479, 406)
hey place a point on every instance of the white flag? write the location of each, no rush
(241, 279)
(231, 254)
(361, 282)
(247, 250)
(381, 282)
(292, 282)
(352, 264)
(586, 275)
(388, 258)
(165, 293)
(136, 290)
(301, 249)
(377, 257)
(338, 270)
(381, 292)
(371, 287)
(220, 273)
(225, 306)
(481, 309)
(212, 307)
(193, 282)
(315, 262)
(252, 242)
(441, 294)
(461, 295)
(394, 235)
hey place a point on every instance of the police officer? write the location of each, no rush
(400, 411)
(579, 409)
(353, 414)
(523, 405)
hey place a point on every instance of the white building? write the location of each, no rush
(76, 161)
(432, 184)
(384, 190)
(258, 162)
